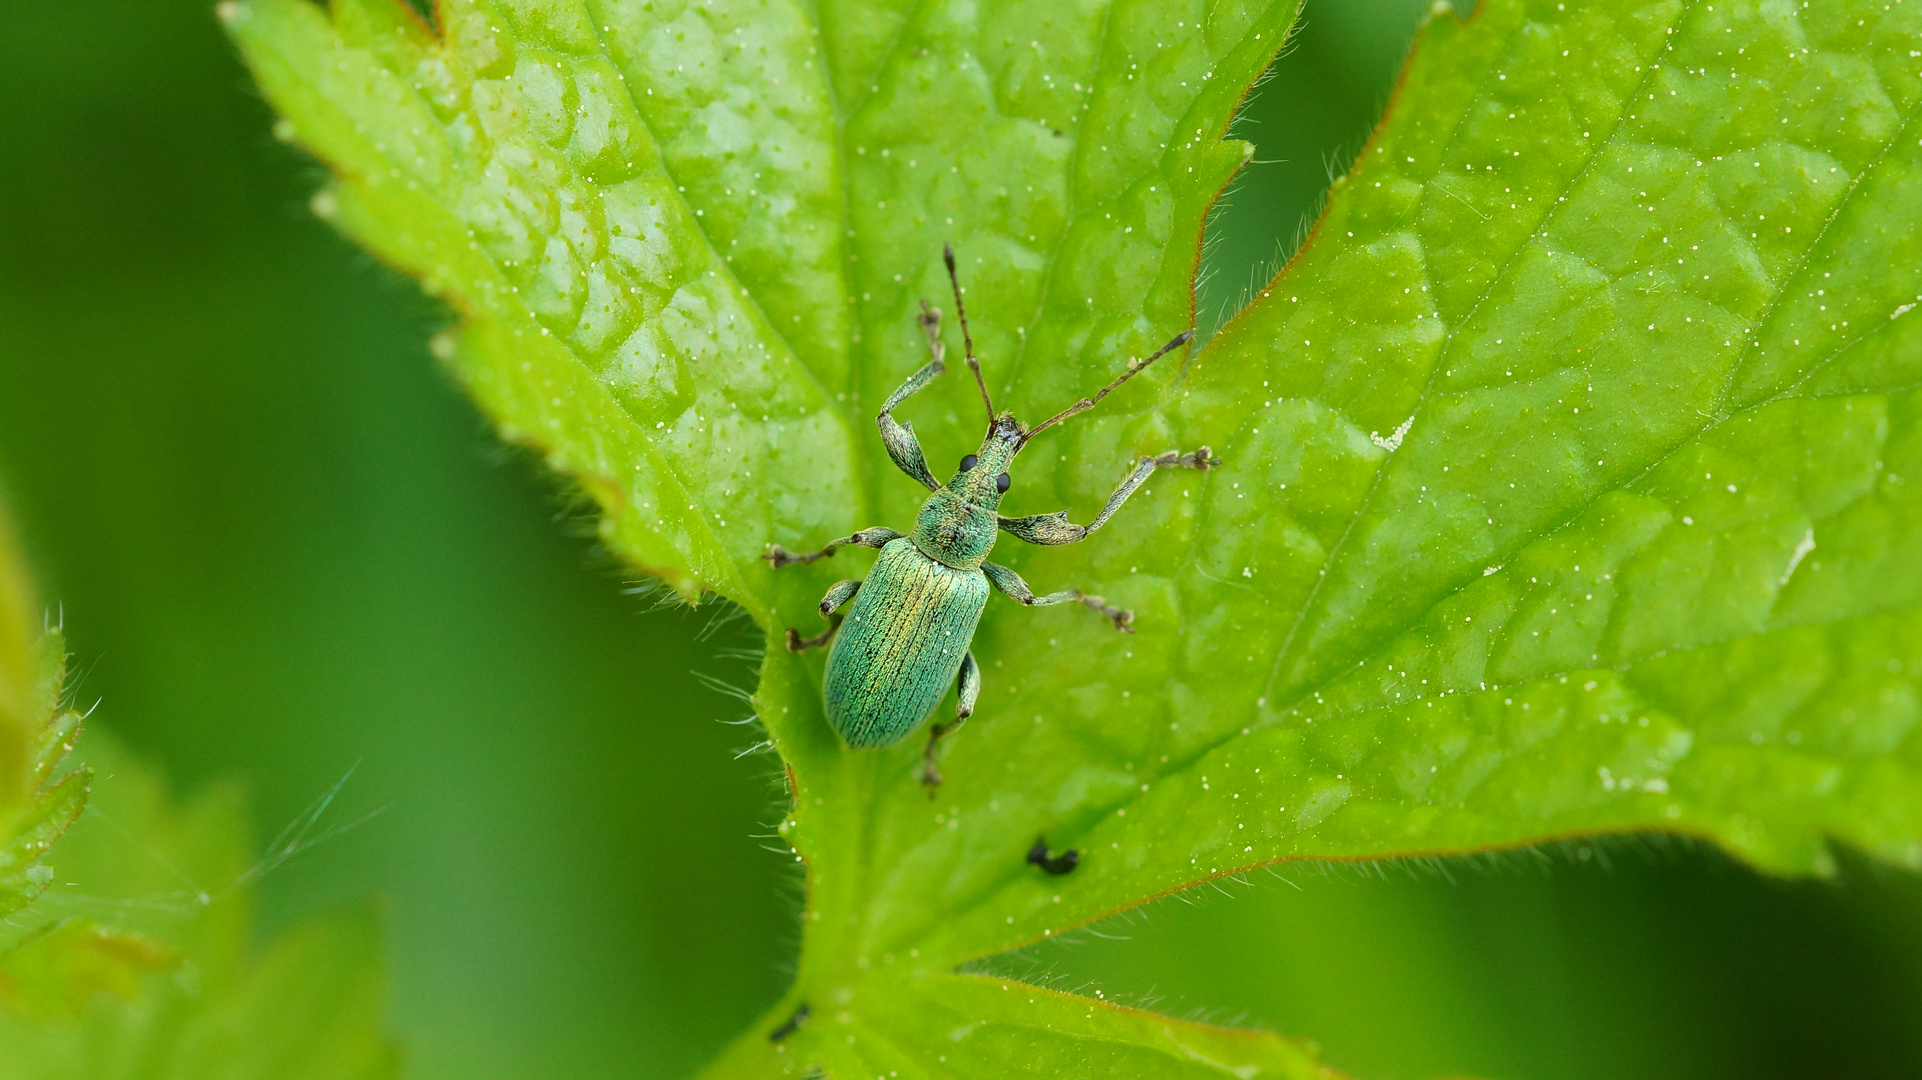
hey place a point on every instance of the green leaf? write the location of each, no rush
(21, 715)
(690, 288)
(37, 801)
(171, 986)
(974, 1026)
(186, 992)
(46, 967)
(1570, 465)
(31, 830)
(58, 971)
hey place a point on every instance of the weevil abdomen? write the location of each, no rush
(901, 646)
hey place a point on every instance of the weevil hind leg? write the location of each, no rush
(967, 692)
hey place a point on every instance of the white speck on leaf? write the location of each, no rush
(1393, 442)
(1801, 552)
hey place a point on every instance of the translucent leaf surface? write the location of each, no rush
(972, 1026)
(1569, 480)
(58, 972)
(38, 799)
(48, 966)
(134, 962)
(173, 881)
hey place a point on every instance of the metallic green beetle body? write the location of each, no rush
(906, 638)
(902, 645)
(913, 619)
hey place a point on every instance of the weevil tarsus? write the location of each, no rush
(1015, 589)
(930, 772)
(1122, 618)
(967, 691)
(929, 319)
(1056, 865)
(797, 643)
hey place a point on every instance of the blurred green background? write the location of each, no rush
(284, 545)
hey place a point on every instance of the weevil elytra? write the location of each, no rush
(908, 635)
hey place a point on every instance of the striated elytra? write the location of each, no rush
(903, 644)
(906, 638)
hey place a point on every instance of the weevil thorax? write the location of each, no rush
(956, 526)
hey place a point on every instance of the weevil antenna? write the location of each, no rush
(1135, 367)
(967, 342)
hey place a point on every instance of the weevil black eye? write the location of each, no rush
(968, 462)
(1001, 483)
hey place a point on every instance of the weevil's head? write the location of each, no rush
(957, 523)
(983, 476)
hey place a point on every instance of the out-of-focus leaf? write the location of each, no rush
(966, 1026)
(172, 881)
(46, 967)
(37, 800)
(59, 971)
(20, 717)
(134, 962)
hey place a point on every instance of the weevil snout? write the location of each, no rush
(982, 477)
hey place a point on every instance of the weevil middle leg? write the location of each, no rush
(1010, 583)
(967, 686)
(839, 593)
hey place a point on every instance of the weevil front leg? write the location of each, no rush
(839, 593)
(874, 537)
(967, 687)
(1017, 590)
(1055, 528)
(899, 438)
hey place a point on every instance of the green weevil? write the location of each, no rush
(907, 637)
